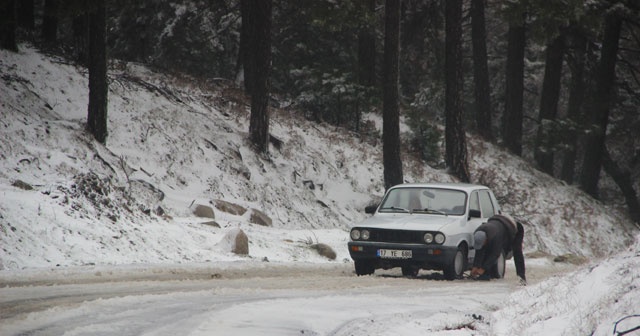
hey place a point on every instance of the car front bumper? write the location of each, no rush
(422, 255)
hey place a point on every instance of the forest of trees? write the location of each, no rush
(556, 82)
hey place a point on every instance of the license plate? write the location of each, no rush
(394, 254)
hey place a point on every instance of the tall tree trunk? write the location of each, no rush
(574, 107)
(455, 140)
(261, 49)
(545, 140)
(625, 183)
(599, 114)
(390, 109)
(367, 49)
(50, 21)
(246, 56)
(26, 17)
(98, 84)
(482, 88)
(8, 25)
(513, 113)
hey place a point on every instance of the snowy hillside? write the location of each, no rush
(172, 144)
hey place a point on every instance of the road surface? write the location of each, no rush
(249, 299)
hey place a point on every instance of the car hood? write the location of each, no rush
(409, 222)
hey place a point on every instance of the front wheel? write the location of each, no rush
(457, 266)
(364, 267)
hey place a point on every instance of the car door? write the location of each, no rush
(479, 200)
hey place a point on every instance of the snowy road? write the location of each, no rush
(247, 299)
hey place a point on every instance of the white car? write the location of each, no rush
(423, 226)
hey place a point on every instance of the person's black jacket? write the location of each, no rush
(503, 235)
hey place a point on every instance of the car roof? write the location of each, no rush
(458, 186)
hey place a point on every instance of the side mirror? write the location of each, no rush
(370, 209)
(475, 213)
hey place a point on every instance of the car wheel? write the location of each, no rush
(410, 271)
(457, 266)
(364, 267)
(497, 271)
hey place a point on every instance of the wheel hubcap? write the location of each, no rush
(459, 262)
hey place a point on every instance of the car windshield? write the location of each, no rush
(425, 200)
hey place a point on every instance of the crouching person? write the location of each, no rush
(500, 234)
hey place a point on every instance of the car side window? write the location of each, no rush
(487, 206)
(473, 201)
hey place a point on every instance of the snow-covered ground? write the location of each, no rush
(68, 202)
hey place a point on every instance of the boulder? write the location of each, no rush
(260, 218)
(204, 211)
(230, 208)
(236, 241)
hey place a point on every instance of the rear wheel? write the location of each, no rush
(364, 267)
(497, 271)
(457, 266)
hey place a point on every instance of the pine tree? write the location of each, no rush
(391, 113)
(482, 89)
(574, 106)
(513, 110)
(549, 98)
(455, 139)
(599, 112)
(261, 49)
(98, 83)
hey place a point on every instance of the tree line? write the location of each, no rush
(553, 82)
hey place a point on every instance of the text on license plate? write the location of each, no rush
(394, 254)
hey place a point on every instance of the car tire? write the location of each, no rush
(410, 271)
(457, 266)
(364, 267)
(498, 270)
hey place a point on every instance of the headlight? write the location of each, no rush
(428, 238)
(365, 235)
(439, 238)
(355, 234)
